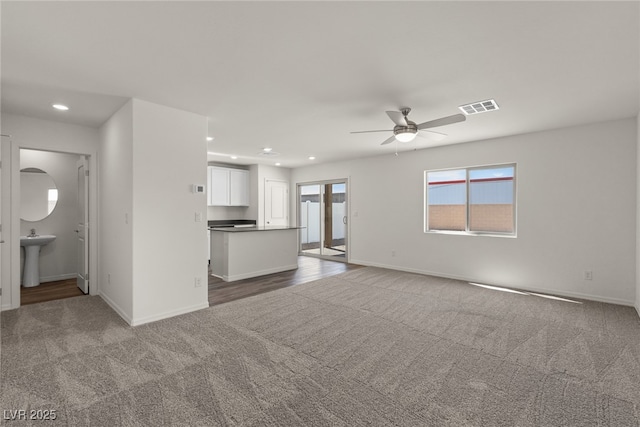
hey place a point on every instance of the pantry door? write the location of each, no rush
(276, 203)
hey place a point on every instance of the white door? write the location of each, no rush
(276, 203)
(83, 224)
(3, 224)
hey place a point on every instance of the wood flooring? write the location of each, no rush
(309, 269)
(49, 291)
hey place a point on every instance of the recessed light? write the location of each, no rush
(60, 107)
(312, 158)
(267, 149)
(209, 138)
(234, 157)
(277, 164)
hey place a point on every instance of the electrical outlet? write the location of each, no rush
(109, 278)
(393, 253)
(198, 282)
(588, 275)
(198, 217)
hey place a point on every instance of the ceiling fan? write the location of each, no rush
(405, 130)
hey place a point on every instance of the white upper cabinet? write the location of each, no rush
(238, 187)
(227, 187)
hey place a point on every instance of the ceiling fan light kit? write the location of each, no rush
(405, 135)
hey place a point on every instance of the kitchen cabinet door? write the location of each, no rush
(238, 187)
(219, 184)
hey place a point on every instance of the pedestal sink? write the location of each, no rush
(32, 244)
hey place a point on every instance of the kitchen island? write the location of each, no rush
(241, 252)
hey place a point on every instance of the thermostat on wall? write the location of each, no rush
(198, 188)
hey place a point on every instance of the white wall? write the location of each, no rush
(228, 212)
(152, 248)
(116, 205)
(169, 245)
(58, 259)
(576, 212)
(38, 134)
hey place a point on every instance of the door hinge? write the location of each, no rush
(87, 277)
(0, 292)
(86, 173)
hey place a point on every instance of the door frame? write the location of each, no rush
(5, 220)
(347, 234)
(11, 299)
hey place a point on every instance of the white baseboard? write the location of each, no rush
(637, 306)
(258, 273)
(561, 293)
(167, 314)
(115, 307)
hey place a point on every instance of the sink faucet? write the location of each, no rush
(33, 233)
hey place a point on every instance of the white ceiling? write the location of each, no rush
(299, 76)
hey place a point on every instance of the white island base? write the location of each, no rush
(241, 253)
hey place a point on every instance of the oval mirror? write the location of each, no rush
(38, 194)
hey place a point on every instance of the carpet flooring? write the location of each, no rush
(367, 347)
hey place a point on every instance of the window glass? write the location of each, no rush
(447, 200)
(491, 199)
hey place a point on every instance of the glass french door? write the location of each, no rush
(322, 211)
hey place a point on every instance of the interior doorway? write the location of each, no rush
(322, 212)
(63, 263)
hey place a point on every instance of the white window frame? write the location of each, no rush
(467, 231)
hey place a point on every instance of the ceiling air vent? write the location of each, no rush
(479, 107)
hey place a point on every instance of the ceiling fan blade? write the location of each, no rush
(397, 118)
(443, 121)
(431, 135)
(367, 131)
(389, 140)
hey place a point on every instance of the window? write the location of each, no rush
(478, 200)
(52, 199)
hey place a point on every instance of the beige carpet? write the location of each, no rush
(367, 347)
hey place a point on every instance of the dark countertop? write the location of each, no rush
(245, 229)
(230, 222)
